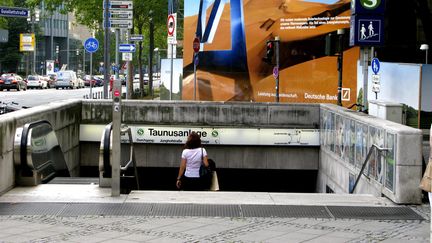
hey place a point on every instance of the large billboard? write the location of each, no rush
(233, 36)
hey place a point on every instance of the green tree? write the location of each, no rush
(90, 14)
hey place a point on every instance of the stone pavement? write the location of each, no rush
(103, 228)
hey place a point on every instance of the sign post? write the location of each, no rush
(366, 30)
(375, 64)
(91, 45)
(172, 41)
(196, 47)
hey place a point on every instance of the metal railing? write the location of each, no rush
(371, 149)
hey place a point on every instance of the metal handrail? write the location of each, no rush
(380, 150)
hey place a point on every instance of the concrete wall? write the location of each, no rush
(65, 118)
(397, 175)
(238, 114)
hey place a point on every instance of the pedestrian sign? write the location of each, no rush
(367, 30)
(375, 65)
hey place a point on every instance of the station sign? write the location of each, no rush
(14, 12)
(367, 30)
(367, 7)
(27, 42)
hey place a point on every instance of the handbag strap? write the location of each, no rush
(202, 156)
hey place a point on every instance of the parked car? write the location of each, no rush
(51, 79)
(67, 79)
(90, 80)
(99, 80)
(36, 82)
(12, 81)
(81, 83)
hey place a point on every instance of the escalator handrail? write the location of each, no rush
(24, 140)
(107, 149)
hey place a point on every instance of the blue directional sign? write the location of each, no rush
(14, 12)
(127, 48)
(91, 45)
(367, 30)
(375, 65)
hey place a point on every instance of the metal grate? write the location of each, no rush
(286, 211)
(374, 213)
(207, 210)
(31, 208)
(203, 210)
(75, 180)
(119, 209)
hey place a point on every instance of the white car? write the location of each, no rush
(67, 79)
(36, 82)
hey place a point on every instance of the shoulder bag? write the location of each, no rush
(204, 171)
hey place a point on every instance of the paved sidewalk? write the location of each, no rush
(103, 228)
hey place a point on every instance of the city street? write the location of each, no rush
(35, 97)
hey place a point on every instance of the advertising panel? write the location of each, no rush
(233, 37)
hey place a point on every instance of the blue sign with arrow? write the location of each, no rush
(127, 48)
(91, 45)
(375, 65)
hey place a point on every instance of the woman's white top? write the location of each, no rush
(193, 161)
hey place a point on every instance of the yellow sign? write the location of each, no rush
(27, 42)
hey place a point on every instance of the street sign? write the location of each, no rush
(126, 48)
(172, 40)
(127, 56)
(376, 83)
(27, 42)
(375, 64)
(14, 12)
(171, 25)
(120, 24)
(367, 30)
(91, 45)
(119, 14)
(136, 38)
(196, 44)
(124, 5)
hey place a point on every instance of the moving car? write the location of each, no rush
(12, 81)
(67, 79)
(36, 82)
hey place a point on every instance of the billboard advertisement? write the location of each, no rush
(233, 36)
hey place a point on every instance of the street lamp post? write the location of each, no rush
(425, 47)
(33, 18)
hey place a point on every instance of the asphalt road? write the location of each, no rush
(35, 97)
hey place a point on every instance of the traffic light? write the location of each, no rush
(269, 53)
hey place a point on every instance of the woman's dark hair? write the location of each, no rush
(193, 141)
